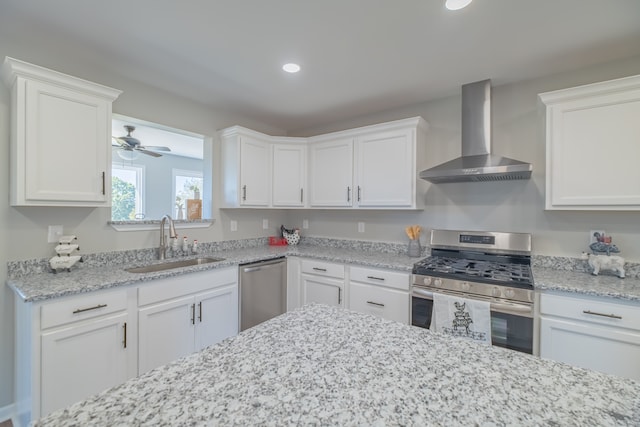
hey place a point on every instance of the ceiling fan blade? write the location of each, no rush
(155, 148)
(119, 142)
(147, 152)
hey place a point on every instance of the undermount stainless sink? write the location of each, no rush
(168, 265)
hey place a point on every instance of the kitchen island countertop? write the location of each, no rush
(325, 366)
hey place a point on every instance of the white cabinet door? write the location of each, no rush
(165, 332)
(322, 290)
(216, 316)
(385, 169)
(383, 302)
(60, 142)
(592, 146)
(610, 350)
(289, 175)
(331, 173)
(81, 360)
(255, 171)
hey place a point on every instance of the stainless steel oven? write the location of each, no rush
(488, 266)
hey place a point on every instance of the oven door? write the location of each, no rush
(511, 323)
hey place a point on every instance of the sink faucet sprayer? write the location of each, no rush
(162, 251)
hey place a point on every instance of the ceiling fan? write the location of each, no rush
(132, 145)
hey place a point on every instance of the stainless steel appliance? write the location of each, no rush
(489, 266)
(477, 163)
(263, 291)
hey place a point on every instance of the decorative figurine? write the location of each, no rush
(603, 245)
(604, 262)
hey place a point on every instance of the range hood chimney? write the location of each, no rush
(477, 163)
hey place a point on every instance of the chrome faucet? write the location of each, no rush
(162, 251)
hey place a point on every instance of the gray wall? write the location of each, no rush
(518, 132)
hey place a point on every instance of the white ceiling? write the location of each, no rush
(357, 56)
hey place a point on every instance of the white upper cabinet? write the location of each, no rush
(385, 169)
(246, 167)
(331, 173)
(60, 138)
(289, 175)
(593, 146)
(372, 167)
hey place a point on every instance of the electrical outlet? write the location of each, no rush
(593, 238)
(305, 224)
(265, 224)
(55, 232)
(234, 225)
(361, 227)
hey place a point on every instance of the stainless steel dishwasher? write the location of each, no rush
(263, 291)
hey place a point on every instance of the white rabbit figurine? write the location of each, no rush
(605, 262)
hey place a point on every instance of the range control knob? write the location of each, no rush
(465, 286)
(427, 281)
(509, 293)
(437, 283)
(495, 292)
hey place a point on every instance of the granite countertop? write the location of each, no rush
(326, 366)
(87, 278)
(103, 271)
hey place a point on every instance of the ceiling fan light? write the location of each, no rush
(128, 154)
(456, 4)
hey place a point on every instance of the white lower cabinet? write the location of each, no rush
(66, 376)
(599, 334)
(382, 293)
(322, 282)
(72, 347)
(184, 314)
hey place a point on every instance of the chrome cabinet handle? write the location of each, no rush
(348, 194)
(104, 188)
(200, 311)
(358, 193)
(301, 195)
(319, 269)
(375, 303)
(82, 310)
(612, 316)
(244, 193)
(193, 314)
(339, 296)
(375, 278)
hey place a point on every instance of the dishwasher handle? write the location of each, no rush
(249, 268)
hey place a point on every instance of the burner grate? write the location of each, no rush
(492, 271)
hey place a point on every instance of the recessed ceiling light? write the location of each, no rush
(456, 4)
(291, 67)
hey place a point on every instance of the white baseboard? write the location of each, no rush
(8, 413)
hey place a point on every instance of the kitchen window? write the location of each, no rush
(127, 192)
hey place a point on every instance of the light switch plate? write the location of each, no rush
(233, 225)
(361, 227)
(305, 224)
(265, 224)
(54, 234)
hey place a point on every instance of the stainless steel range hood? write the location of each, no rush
(477, 163)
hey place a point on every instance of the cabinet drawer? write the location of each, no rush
(382, 302)
(391, 279)
(611, 313)
(185, 284)
(75, 308)
(323, 268)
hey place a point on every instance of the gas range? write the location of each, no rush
(477, 263)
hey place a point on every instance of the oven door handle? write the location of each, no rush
(499, 307)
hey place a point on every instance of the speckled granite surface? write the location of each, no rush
(327, 366)
(32, 281)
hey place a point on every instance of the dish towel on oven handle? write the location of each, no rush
(461, 317)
